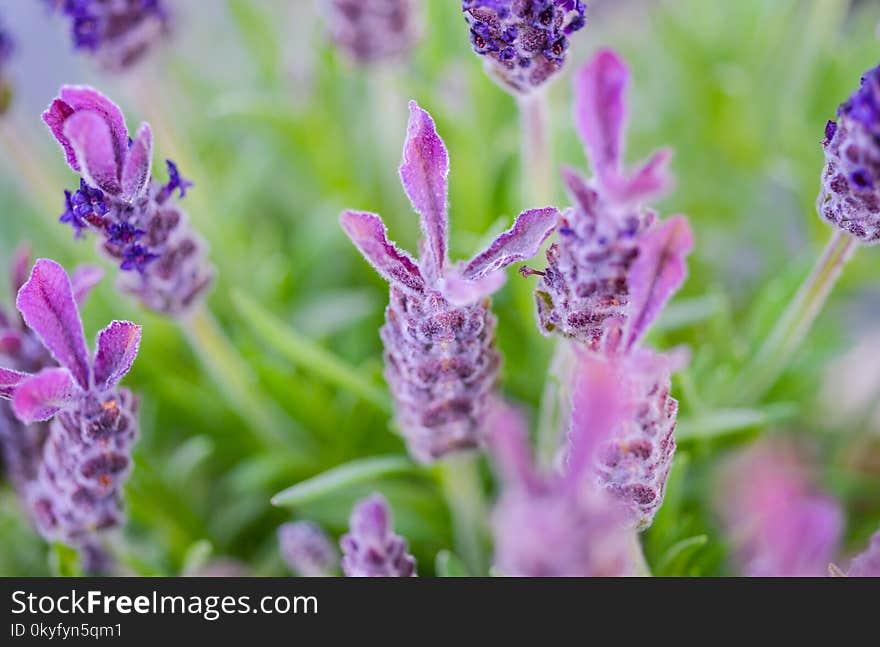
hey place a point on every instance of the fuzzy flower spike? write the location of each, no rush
(439, 334)
(372, 31)
(372, 548)
(87, 454)
(524, 42)
(162, 259)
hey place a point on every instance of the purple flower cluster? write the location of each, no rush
(74, 491)
(143, 227)
(118, 32)
(439, 334)
(307, 549)
(850, 196)
(524, 41)
(371, 548)
(370, 31)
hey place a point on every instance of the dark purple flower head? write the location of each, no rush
(441, 362)
(524, 42)
(117, 32)
(87, 453)
(371, 548)
(307, 549)
(143, 227)
(561, 524)
(867, 564)
(373, 31)
(850, 195)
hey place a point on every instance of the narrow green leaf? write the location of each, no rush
(343, 476)
(64, 561)
(681, 549)
(721, 422)
(447, 564)
(196, 557)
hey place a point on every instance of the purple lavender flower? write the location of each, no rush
(371, 548)
(87, 453)
(439, 333)
(850, 196)
(370, 31)
(524, 42)
(7, 49)
(163, 261)
(307, 549)
(614, 265)
(867, 564)
(778, 523)
(561, 524)
(117, 32)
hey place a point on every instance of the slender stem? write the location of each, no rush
(537, 170)
(792, 327)
(460, 477)
(640, 564)
(555, 403)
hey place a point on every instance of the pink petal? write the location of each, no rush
(462, 292)
(136, 169)
(368, 233)
(117, 348)
(43, 395)
(658, 271)
(650, 180)
(9, 380)
(46, 302)
(507, 438)
(519, 243)
(601, 112)
(580, 192)
(92, 141)
(84, 279)
(423, 173)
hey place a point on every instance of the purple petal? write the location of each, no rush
(600, 110)
(46, 302)
(83, 280)
(21, 265)
(867, 564)
(136, 169)
(368, 233)
(92, 141)
(650, 180)
(658, 271)
(462, 292)
(507, 437)
(423, 173)
(117, 347)
(9, 380)
(519, 243)
(580, 192)
(43, 395)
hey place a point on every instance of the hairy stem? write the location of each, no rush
(537, 158)
(460, 477)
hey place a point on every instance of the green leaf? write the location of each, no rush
(344, 476)
(310, 356)
(680, 550)
(722, 422)
(196, 557)
(448, 564)
(64, 561)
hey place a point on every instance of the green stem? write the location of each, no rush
(537, 169)
(639, 562)
(460, 477)
(555, 404)
(792, 327)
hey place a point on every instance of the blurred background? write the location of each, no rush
(280, 132)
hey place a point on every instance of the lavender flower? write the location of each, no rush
(87, 453)
(307, 549)
(118, 33)
(370, 31)
(867, 564)
(850, 196)
(439, 333)
(7, 49)
(777, 522)
(561, 524)
(524, 42)
(371, 548)
(144, 229)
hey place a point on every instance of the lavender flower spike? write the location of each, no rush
(373, 31)
(850, 196)
(561, 524)
(439, 334)
(87, 454)
(143, 229)
(7, 49)
(307, 549)
(371, 549)
(524, 42)
(867, 564)
(614, 264)
(118, 33)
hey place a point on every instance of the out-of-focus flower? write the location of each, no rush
(867, 564)
(373, 31)
(439, 335)
(562, 524)
(163, 260)
(307, 549)
(87, 453)
(778, 523)
(371, 548)
(118, 33)
(524, 42)
(850, 196)
(7, 49)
